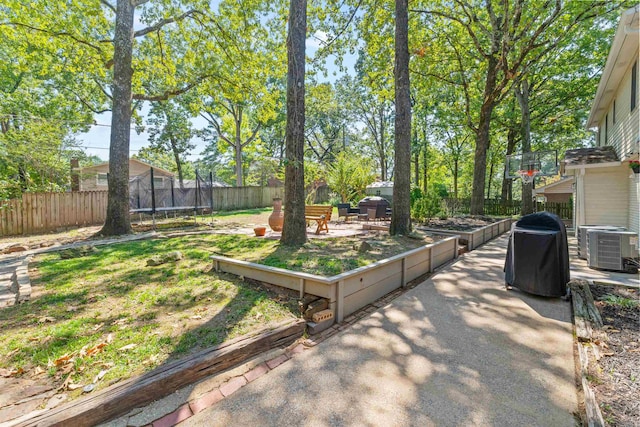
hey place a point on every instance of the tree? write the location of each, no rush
(375, 112)
(349, 175)
(171, 131)
(505, 41)
(401, 219)
(117, 221)
(294, 232)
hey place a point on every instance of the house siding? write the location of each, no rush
(625, 133)
(634, 203)
(606, 192)
(89, 176)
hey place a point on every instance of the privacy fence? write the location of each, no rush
(45, 212)
(498, 207)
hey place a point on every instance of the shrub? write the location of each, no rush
(426, 207)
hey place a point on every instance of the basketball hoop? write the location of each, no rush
(528, 175)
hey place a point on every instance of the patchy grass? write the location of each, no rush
(108, 313)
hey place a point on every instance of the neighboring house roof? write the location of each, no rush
(590, 156)
(380, 184)
(88, 169)
(558, 187)
(623, 49)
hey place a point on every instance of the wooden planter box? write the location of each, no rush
(350, 291)
(479, 236)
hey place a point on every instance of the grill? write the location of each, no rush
(381, 206)
(538, 255)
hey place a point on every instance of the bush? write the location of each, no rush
(416, 193)
(426, 207)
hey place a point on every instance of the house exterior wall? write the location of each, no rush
(624, 134)
(605, 196)
(634, 203)
(558, 197)
(89, 176)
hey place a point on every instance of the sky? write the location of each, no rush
(96, 141)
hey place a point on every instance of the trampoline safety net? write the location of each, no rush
(152, 192)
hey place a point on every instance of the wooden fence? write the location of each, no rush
(45, 212)
(497, 207)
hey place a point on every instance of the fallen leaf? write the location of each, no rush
(128, 347)
(196, 317)
(608, 353)
(109, 338)
(72, 308)
(39, 370)
(100, 375)
(11, 372)
(96, 349)
(72, 386)
(63, 360)
(46, 319)
(95, 328)
(121, 321)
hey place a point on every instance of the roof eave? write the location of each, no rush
(624, 47)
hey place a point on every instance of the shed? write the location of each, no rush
(382, 189)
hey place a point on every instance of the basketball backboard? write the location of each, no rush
(538, 163)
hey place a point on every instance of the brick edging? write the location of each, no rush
(210, 398)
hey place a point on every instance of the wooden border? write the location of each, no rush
(164, 380)
(478, 236)
(352, 290)
(586, 318)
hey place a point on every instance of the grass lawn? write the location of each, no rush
(106, 316)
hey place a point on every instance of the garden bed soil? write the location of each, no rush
(461, 223)
(615, 378)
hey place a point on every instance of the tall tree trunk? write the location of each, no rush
(416, 158)
(507, 183)
(118, 221)
(522, 95)
(294, 232)
(490, 178)
(425, 169)
(456, 165)
(383, 155)
(401, 219)
(238, 149)
(482, 138)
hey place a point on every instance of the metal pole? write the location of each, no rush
(153, 200)
(173, 197)
(195, 207)
(211, 193)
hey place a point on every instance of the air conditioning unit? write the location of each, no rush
(613, 250)
(583, 237)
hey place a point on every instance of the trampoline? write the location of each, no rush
(150, 194)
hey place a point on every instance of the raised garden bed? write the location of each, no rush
(473, 231)
(351, 290)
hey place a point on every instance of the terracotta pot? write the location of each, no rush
(260, 231)
(276, 219)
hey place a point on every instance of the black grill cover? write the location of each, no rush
(538, 255)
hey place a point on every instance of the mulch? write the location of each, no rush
(616, 380)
